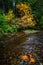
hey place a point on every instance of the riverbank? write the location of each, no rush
(13, 47)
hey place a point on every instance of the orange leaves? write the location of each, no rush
(25, 57)
(32, 60)
(29, 58)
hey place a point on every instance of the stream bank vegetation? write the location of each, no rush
(20, 15)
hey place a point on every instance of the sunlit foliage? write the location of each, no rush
(20, 14)
(27, 20)
(5, 26)
(10, 16)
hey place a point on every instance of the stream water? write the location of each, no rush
(14, 47)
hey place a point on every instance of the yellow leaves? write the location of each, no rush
(10, 11)
(8, 19)
(23, 7)
(27, 19)
(23, 17)
(10, 15)
(26, 6)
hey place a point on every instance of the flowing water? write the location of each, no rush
(14, 47)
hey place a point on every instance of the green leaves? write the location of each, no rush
(2, 19)
(41, 22)
(0, 11)
(7, 28)
(37, 9)
(31, 2)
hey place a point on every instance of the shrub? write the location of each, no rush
(40, 23)
(2, 19)
(8, 29)
(5, 27)
(27, 20)
(10, 16)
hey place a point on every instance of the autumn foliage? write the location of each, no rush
(29, 59)
(25, 57)
(10, 15)
(26, 20)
